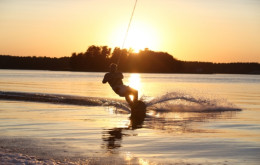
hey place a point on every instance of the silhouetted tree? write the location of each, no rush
(98, 58)
(45, 63)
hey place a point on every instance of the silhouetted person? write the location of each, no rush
(114, 78)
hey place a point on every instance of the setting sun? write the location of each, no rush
(141, 36)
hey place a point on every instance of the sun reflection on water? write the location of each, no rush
(128, 156)
(134, 81)
(143, 162)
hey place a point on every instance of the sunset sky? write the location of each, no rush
(190, 30)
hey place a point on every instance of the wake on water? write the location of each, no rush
(170, 102)
(184, 102)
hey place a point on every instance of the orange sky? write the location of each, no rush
(191, 30)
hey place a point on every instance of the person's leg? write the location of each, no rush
(134, 92)
(126, 91)
(128, 99)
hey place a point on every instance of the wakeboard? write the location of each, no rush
(138, 110)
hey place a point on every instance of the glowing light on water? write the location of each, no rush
(135, 82)
(123, 124)
(143, 162)
(128, 156)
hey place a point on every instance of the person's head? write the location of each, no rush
(113, 67)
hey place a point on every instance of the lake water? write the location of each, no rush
(191, 118)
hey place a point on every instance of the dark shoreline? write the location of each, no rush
(125, 72)
(164, 66)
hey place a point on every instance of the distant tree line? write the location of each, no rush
(36, 63)
(98, 59)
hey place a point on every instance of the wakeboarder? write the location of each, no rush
(114, 79)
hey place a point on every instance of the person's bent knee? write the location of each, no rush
(135, 91)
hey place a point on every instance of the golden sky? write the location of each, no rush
(190, 30)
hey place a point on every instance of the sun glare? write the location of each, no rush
(140, 36)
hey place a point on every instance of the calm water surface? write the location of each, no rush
(191, 119)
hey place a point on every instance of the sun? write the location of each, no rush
(140, 36)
